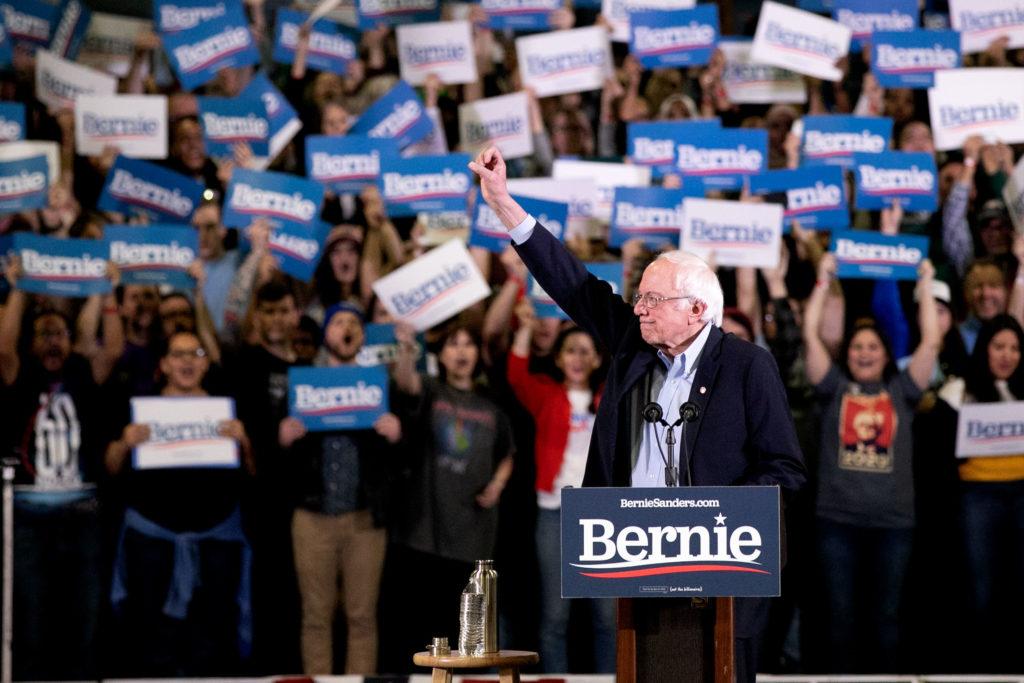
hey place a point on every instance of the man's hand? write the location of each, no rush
(289, 431)
(390, 427)
(490, 168)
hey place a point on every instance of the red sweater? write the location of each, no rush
(548, 402)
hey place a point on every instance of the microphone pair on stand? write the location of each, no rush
(688, 412)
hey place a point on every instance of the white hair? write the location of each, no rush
(695, 278)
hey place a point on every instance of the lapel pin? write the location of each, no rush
(703, 390)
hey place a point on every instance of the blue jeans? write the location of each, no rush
(864, 570)
(992, 514)
(57, 590)
(554, 612)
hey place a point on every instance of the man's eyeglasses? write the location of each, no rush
(652, 300)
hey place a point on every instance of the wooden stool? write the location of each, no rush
(507, 661)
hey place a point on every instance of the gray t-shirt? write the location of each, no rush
(865, 473)
(463, 438)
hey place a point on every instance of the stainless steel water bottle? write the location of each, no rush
(486, 580)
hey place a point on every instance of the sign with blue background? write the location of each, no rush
(374, 13)
(381, 348)
(29, 22)
(673, 38)
(279, 198)
(654, 144)
(347, 163)
(431, 183)
(298, 248)
(197, 54)
(864, 17)
(545, 307)
(653, 214)
(520, 15)
(228, 121)
(155, 254)
(490, 233)
(814, 197)
(834, 139)
(284, 121)
(6, 50)
(331, 46)
(723, 157)
(62, 267)
(339, 398)
(399, 114)
(910, 59)
(874, 256)
(69, 32)
(908, 177)
(134, 186)
(696, 541)
(23, 184)
(170, 16)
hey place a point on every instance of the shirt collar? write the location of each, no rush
(689, 357)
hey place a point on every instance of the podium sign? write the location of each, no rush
(700, 541)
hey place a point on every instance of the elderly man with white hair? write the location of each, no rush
(667, 348)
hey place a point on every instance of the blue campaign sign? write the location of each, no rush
(672, 38)
(545, 307)
(381, 348)
(69, 34)
(910, 178)
(834, 139)
(157, 254)
(399, 114)
(197, 54)
(29, 22)
(331, 46)
(874, 256)
(374, 13)
(134, 186)
(429, 183)
(695, 541)
(654, 143)
(347, 163)
(298, 248)
(865, 17)
(488, 231)
(815, 197)
(6, 51)
(279, 198)
(171, 16)
(23, 184)
(283, 118)
(723, 157)
(228, 121)
(520, 15)
(62, 267)
(653, 214)
(910, 59)
(338, 398)
(819, 6)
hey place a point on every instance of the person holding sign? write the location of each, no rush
(991, 484)
(181, 573)
(667, 347)
(865, 509)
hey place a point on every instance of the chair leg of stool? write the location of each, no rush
(441, 676)
(508, 674)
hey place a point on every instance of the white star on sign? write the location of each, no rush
(720, 519)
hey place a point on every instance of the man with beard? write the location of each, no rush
(136, 371)
(49, 402)
(338, 527)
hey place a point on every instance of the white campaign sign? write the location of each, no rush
(617, 12)
(134, 124)
(1013, 195)
(110, 42)
(59, 82)
(443, 48)
(986, 102)
(581, 194)
(22, 149)
(434, 287)
(559, 62)
(990, 429)
(800, 41)
(606, 176)
(502, 121)
(738, 233)
(747, 82)
(982, 21)
(184, 432)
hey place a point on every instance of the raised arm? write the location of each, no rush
(817, 361)
(10, 325)
(922, 362)
(404, 370)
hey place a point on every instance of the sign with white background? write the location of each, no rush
(986, 102)
(134, 124)
(444, 48)
(738, 233)
(561, 62)
(800, 41)
(982, 21)
(503, 121)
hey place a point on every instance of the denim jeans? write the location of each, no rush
(554, 614)
(864, 570)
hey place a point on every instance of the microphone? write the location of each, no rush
(654, 414)
(688, 412)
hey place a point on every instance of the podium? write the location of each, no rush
(675, 558)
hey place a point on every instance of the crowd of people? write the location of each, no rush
(345, 551)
